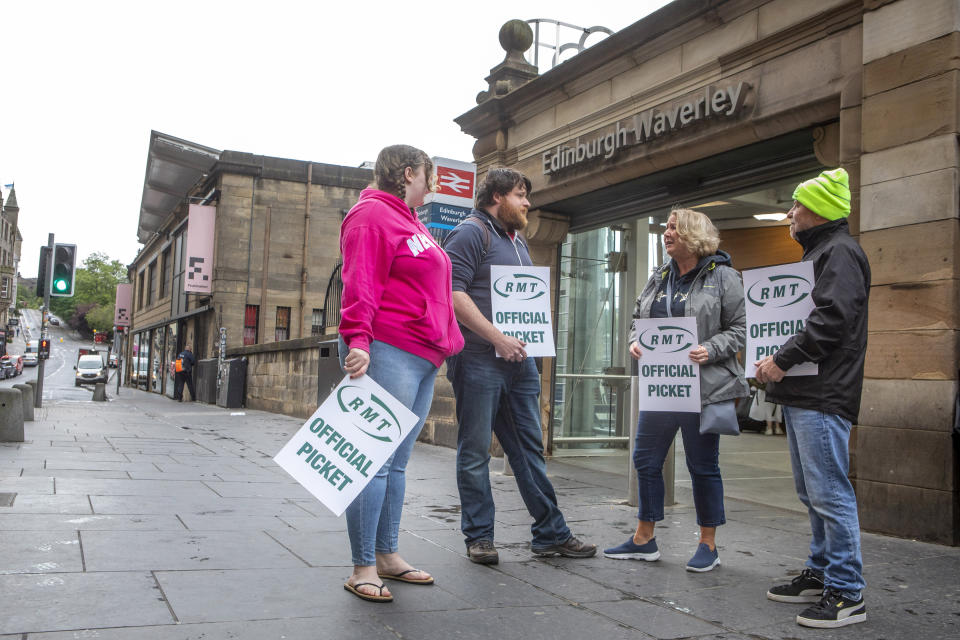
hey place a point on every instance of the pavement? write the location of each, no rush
(141, 518)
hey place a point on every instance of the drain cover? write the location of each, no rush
(6, 499)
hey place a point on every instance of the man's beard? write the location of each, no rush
(512, 218)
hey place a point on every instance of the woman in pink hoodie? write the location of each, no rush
(397, 325)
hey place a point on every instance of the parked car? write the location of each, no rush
(113, 361)
(11, 366)
(90, 370)
(30, 359)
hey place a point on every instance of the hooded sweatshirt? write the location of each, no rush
(396, 281)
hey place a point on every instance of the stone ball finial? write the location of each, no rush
(516, 35)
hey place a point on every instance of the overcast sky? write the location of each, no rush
(85, 82)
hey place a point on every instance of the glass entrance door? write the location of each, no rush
(591, 395)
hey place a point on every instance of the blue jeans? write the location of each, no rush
(496, 396)
(819, 452)
(655, 433)
(373, 518)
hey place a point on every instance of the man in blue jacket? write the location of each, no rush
(819, 409)
(185, 375)
(496, 385)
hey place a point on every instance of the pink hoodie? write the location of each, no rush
(396, 281)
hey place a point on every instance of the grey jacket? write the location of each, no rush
(716, 300)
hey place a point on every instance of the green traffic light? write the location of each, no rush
(60, 285)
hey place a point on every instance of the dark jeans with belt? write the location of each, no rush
(178, 379)
(496, 396)
(655, 433)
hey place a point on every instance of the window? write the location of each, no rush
(251, 318)
(140, 291)
(316, 327)
(165, 274)
(5, 288)
(282, 331)
(151, 277)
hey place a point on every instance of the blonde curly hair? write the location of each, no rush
(696, 232)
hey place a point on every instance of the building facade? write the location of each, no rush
(274, 251)
(725, 106)
(10, 240)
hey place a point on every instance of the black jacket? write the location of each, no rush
(835, 335)
(188, 360)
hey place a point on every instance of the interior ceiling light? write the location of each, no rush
(776, 217)
(715, 203)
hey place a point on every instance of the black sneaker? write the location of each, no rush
(572, 548)
(806, 587)
(483, 552)
(833, 611)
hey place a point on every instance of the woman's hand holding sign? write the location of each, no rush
(700, 355)
(356, 362)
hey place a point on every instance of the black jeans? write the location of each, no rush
(178, 379)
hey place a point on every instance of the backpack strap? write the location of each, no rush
(477, 222)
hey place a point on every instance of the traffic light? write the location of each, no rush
(43, 278)
(44, 351)
(64, 270)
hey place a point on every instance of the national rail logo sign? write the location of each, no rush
(455, 182)
(520, 286)
(369, 414)
(779, 291)
(666, 339)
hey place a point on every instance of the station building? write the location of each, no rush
(724, 106)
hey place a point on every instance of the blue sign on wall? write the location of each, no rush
(441, 218)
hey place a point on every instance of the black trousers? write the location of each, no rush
(178, 379)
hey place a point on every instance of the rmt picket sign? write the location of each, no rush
(520, 300)
(778, 299)
(345, 442)
(669, 380)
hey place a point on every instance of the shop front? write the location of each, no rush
(724, 107)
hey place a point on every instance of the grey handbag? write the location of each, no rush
(720, 418)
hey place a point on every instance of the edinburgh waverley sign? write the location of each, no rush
(711, 103)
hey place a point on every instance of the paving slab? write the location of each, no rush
(31, 503)
(220, 596)
(211, 504)
(87, 522)
(62, 601)
(40, 551)
(332, 627)
(183, 550)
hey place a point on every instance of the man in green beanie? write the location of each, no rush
(820, 409)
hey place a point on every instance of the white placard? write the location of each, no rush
(520, 301)
(345, 442)
(778, 299)
(669, 380)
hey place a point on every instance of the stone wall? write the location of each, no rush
(906, 461)
(282, 376)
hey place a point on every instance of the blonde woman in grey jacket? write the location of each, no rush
(701, 284)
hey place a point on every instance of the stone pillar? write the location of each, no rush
(906, 463)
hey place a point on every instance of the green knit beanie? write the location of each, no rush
(827, 195)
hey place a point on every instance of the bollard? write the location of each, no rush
(26, 393)
(33, 385)
(100, 392)
(11, 415)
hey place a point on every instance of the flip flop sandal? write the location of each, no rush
(352, 588)
(402, 577)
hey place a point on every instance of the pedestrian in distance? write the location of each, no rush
(397, 326)
(183, 373)
(820, 409)
(497, 387)
(697, 281)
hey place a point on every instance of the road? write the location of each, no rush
(59, 374)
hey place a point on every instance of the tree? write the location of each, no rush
(100, 318)
(95, 287)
